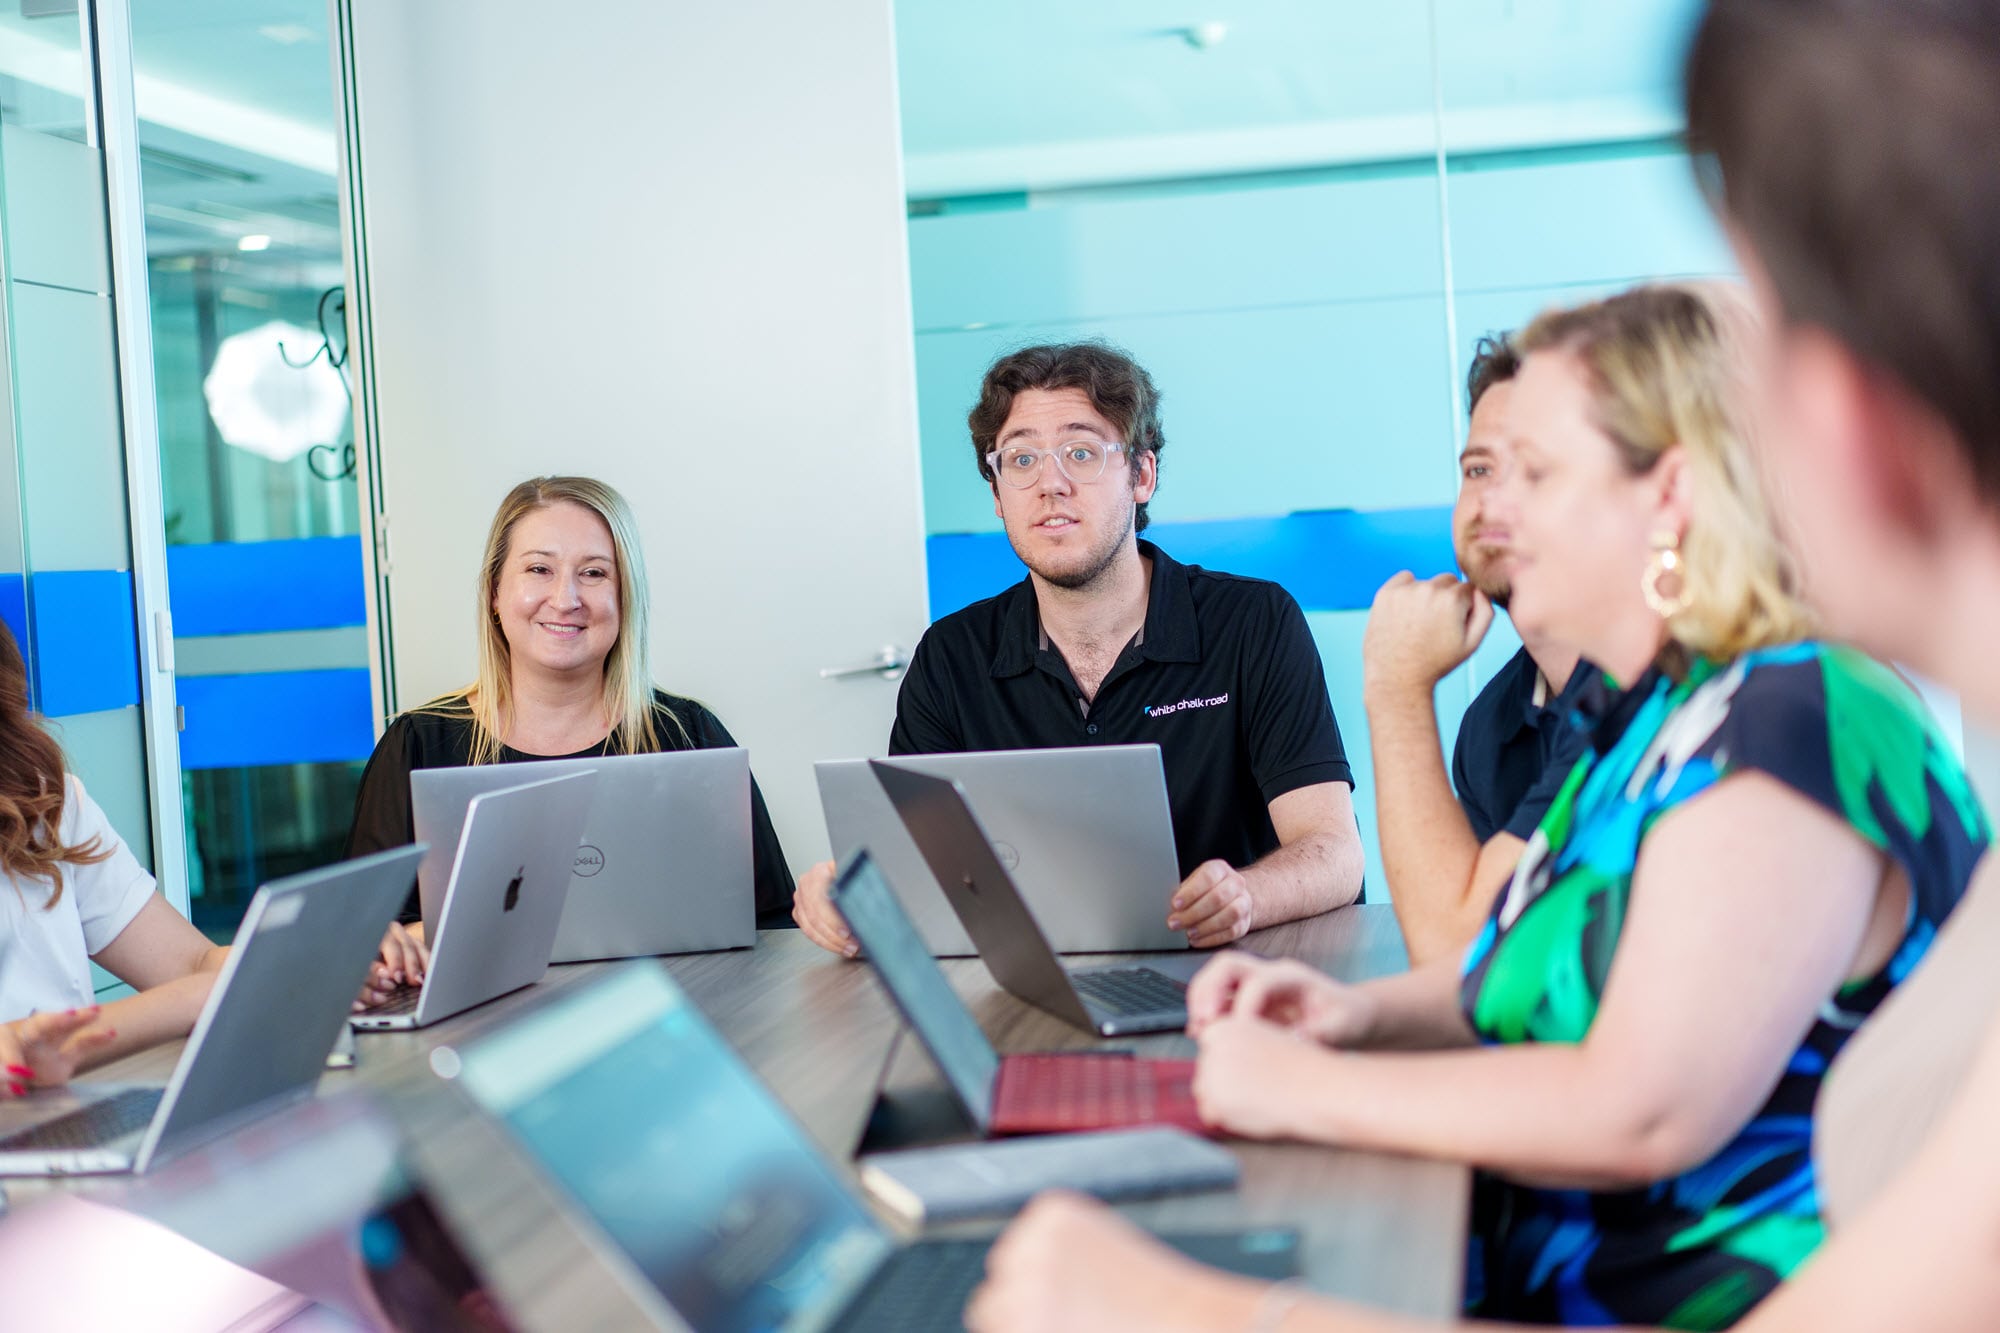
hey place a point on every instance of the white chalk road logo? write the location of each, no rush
(1162, 710)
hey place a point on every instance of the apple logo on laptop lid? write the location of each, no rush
(513, 895)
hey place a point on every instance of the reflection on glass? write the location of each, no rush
(236, 111)
(43, 77)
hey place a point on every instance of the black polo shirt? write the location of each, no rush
(1508, 744)
(1224, 677)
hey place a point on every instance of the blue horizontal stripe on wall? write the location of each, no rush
(86, 643)
(1328, 559)
(258, 587)
(277, 717)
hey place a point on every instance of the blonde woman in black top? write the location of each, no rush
(563, 673)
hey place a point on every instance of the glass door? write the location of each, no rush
(82, 582)
(240, 168)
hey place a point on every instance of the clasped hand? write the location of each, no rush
(1260, 1022)
(1421, 630)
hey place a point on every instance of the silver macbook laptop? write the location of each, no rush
(708, 1203)
(509, 877)
(298, 961)
(1085, 833)
(665, 864)
(967, 867)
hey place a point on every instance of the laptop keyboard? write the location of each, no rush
(921, 1288)
(1131, 990)
(1043, 1093)
(90, 1126)
(404, 1001)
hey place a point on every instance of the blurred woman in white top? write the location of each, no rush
(73, 894)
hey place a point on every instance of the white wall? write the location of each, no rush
(662, 245)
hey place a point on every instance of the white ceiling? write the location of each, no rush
(235, 100)
(237, 95)
(1038, 94)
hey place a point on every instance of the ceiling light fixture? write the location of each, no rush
(266, 396)
(253, 243)
(1205, 36)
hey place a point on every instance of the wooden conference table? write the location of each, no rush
(819, 1031)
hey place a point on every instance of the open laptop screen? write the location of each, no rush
(918, 985)
(634, 1104)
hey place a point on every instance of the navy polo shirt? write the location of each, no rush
(1512, 754)
(1224, 677)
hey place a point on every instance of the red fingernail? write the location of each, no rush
(21, 1070)
(17, 1090)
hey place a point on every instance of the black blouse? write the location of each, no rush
(426, 740)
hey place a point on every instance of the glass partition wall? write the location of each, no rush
(1300, 218)
(82, 577)
(240, 165)
(178, 416)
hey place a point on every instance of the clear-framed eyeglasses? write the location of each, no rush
(1082, 459)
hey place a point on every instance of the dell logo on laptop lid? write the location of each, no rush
(589, 860)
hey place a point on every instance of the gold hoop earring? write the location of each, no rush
(1666, 564)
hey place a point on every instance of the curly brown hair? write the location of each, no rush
(32, 789)
(1118, 387)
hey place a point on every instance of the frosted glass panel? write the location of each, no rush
(72, 450)
(106, 751)
(54, 201)
(63, 499)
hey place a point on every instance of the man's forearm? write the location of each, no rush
(1429, 851)
(1313, 874)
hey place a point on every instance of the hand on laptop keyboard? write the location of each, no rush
(404, 961)
(399, 1000)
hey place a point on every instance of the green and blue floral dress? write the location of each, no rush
(1698, 1250)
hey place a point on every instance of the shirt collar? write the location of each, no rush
(1522, 681)
(1608, 711)
(1170, 632)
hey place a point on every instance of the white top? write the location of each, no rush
(45, 951)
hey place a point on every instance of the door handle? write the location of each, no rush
(888, 664)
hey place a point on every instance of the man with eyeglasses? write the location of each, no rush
(1110, 641)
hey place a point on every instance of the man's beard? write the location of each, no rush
(1491, 581)
(1092, 569)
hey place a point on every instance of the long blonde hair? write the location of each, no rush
(628, 676)
(1665, 365)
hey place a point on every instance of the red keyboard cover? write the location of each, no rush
(1051, 1094)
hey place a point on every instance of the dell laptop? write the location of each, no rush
(1015, 1094)
(665, 862)
(298, 961)
(1084, 832)
(1111, 1001)
(493, 932)
(707, 1201)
